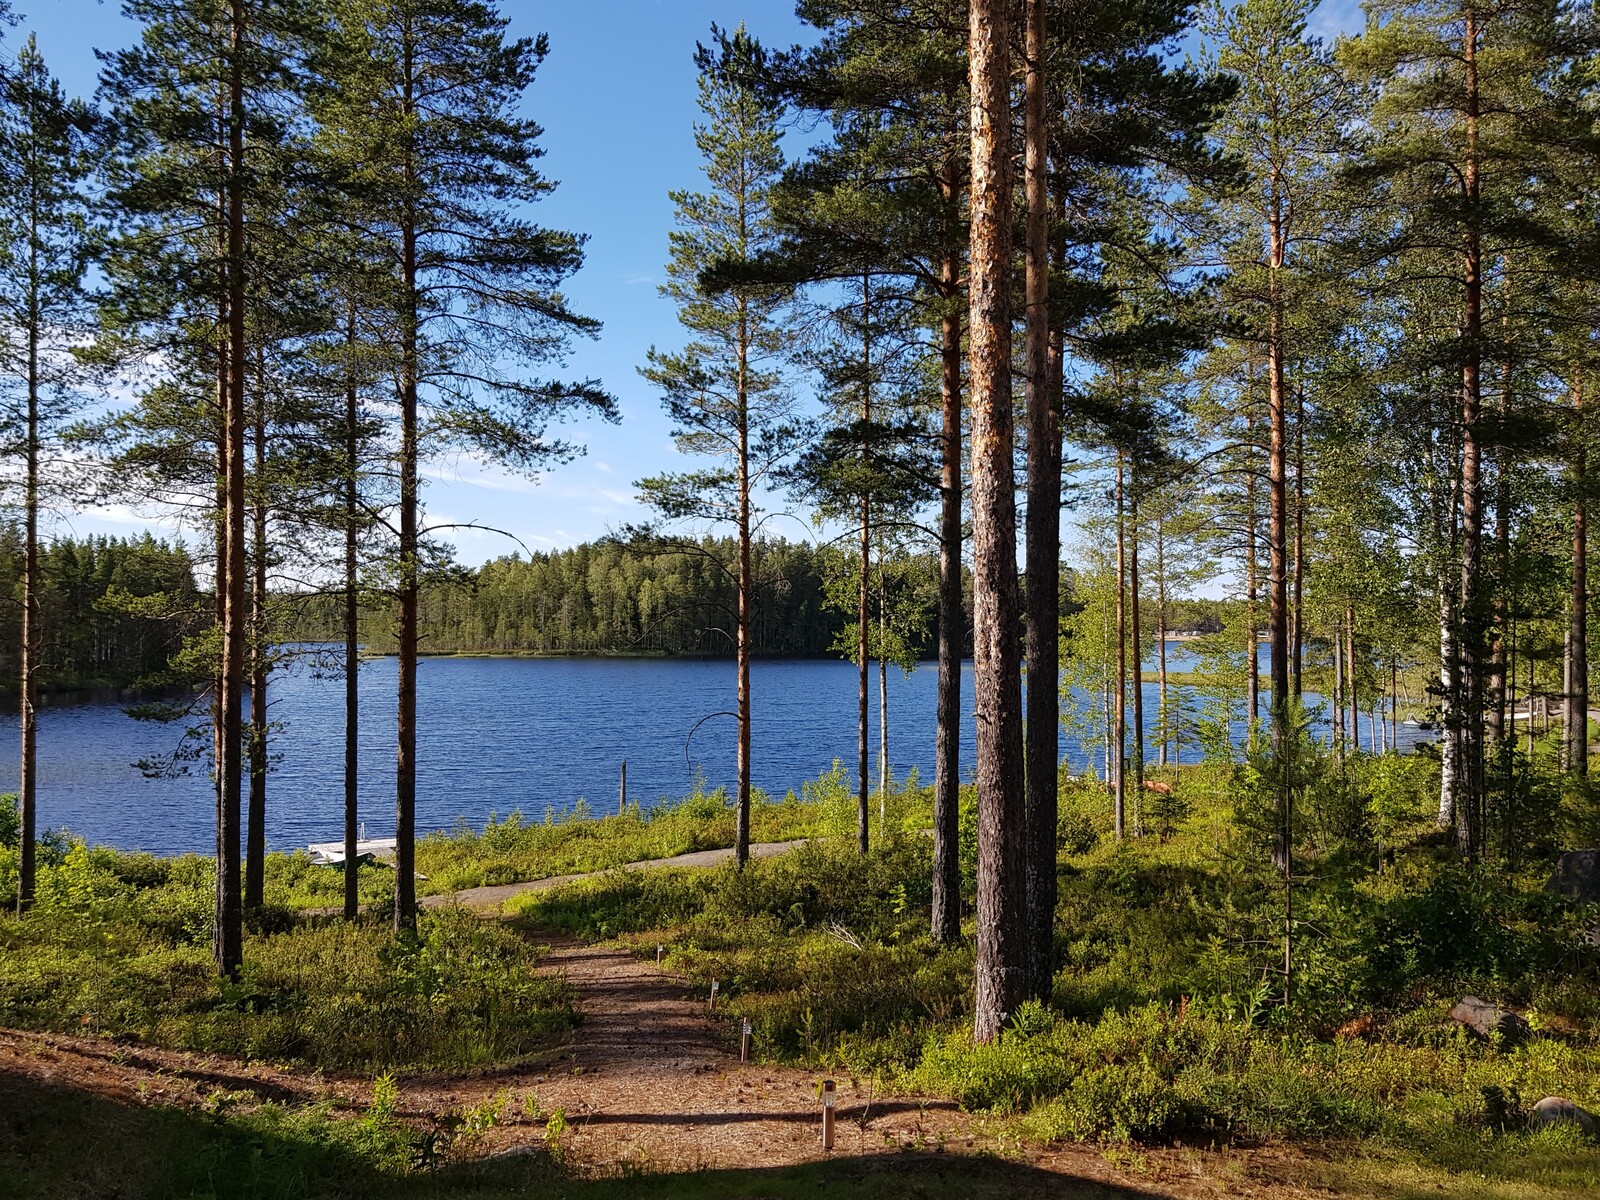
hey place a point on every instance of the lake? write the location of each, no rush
(494, 734)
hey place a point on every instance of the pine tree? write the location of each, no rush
(200, 108)
(1469, 105)
(886, 196)
(725, 391)
(1002, 967)
(44, 251)
(420, 107)
(1283, 128)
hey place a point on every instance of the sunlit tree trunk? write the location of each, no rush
(1001, 968)
(1043, 533)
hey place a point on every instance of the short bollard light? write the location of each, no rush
(744, 1042)
(827, 1114)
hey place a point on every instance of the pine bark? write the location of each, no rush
(1162, 704)
(1001, 968)
(405, 804)
(28, 717)
(1136, 653)
(741, 829)
(228, 934)
(1297, 653)
(1252, 583)
(1119, 738)
(1043, 529)
(1277, 494)
(352, 660)
(255, 857)
(947, 736)
(864, 581)
(1577, 656)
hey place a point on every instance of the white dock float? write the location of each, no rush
(327, 854)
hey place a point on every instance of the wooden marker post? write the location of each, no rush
(660, 950)
(827, 1114)
(622, 791)
(711, 1004)
(744, 1042)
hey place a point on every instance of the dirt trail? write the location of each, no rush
(653, 1081)
(650, 1082)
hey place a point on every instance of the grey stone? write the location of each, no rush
(1558, 1110)
(1486, 1020)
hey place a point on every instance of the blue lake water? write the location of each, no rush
(494, 734)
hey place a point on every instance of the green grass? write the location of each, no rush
(1164, 1025)
(120, 945)
(515, 848)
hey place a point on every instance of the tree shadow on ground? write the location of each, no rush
(59, 1141)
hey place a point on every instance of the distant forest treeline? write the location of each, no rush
(115, 609)
(118, 609)
(614, 597)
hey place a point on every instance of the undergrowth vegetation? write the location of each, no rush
(119, 944)
(1167, 1020)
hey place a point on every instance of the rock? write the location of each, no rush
(1486, 1020)
(1577, 876)
(1558, 1110)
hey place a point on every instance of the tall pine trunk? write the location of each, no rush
(228, 933)
(741, 828)
(883, 699)
(1278, 636)
(1001, 969)
(405, 792)
(1119, 738)
(863, 581)
(1252, 584)
(1164, 713)
(1136, 653)
(255, 857)
(28, 651)
(352, 660)
(1577, 656)
(1297, 652)
(1043, 531)
(952, 620)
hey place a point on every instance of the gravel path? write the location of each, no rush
(498, 894)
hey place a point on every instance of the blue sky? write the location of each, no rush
(617, 100)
